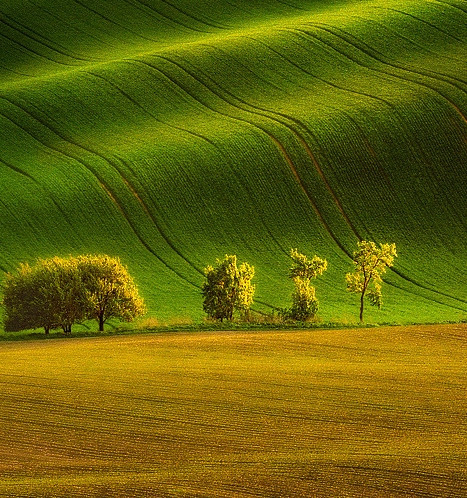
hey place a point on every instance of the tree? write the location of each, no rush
(228, 288)
(110, 291)
(370, 263)
(47, 295)
(61, 297)
(19, 302)
(59, 292)
(305, 305)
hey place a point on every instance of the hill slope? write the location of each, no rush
(171, 133)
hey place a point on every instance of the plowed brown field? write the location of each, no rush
(359, 412)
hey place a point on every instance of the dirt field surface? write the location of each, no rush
(357, 413)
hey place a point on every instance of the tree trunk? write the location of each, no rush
(101, 323)
(361, 305)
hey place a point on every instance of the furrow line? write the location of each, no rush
(27, 49)
(304, 144)
(100, 181)
(429, 87)
(416, 82)
(422, 286)
(264, 130)
(283, 2)
(453, 6)
(16, 169)
(27, 175)
(381, 58)
(267, 114)
(305, 191)
(172, 20)
(111, 21)
(423, 21)
(61, 23)
(402, 36)
(178, 128)
(191, 16)
(213, 144)
(156, 223)
(144, 109)
(428, 288)
(5, 68)
(412, 281)
(37, 38)
(307, 34)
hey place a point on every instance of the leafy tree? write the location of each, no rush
(59, 292)
(110, 291)
(370, 263)
(47, 295)
(228, 288)
(19, 302)
(305, 305)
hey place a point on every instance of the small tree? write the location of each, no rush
(305, 305)
(370, 263)
(110, 291)
(228, 288)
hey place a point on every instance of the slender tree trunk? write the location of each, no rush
(361, 305)
(362, 297)
(101, 323)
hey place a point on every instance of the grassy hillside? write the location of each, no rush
(320, 413)
(172, 133)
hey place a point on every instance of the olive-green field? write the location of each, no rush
(362, 412)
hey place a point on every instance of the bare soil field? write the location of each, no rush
(357, 413)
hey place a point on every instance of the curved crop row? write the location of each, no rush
(173, 132)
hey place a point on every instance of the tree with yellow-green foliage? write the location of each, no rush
(228, 288)
(59, 292)
(370, 263)
(109, 290)
(305, 305)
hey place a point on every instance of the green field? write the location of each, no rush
(376, 412)
(172, 133)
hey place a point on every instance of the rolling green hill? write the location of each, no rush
(170, 133)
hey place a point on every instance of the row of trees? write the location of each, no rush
(228, 287)
(60, 292)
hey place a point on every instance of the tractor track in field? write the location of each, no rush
(179, 129)
(247, 122)
(255, 110)
(99, 178)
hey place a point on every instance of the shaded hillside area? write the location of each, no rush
(170, 133)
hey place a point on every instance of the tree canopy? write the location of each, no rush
(59, 292)
(370, 262)
(305, 305)
(228, 288)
